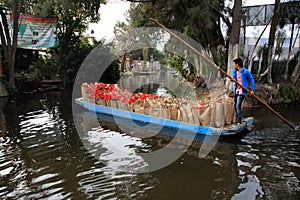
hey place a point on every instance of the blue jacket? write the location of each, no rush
(246, 78)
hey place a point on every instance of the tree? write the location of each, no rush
(233, 49)
(255, 46)
(8, 41)
(289, 14)
(121, 43)
(296, 73)
(272, 33)
(73, 19)
(128, 38)
(198, 19)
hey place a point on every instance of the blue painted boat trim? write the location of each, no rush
(206, 130)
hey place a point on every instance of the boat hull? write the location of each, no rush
(198, 129)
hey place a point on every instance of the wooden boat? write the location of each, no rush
(198, 129)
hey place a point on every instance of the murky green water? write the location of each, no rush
(43, 157)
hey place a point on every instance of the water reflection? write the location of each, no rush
(269, 164)
(162, 82)
(116, 148)
(42, 156)
(3, 126)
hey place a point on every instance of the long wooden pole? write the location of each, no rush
(223, 72)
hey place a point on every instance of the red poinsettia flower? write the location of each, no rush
(143, 96)
(90, 91)
(107, 97)
(112, 91)
(153, 96)
(101, 85)
(132, 99)
(93, 86)
(125, 100)
(85, 86)
(98, 93)
(92, 96)
(198, 107)
(115, 96)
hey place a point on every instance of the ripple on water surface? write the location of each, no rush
(42, 161)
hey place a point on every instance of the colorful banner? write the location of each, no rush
(36, 32)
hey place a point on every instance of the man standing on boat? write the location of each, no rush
(242, 76)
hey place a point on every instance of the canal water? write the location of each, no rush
(42, 156)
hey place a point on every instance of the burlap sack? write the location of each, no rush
(168, 100)
(190, 115)
(189, 112)
(173, 111)
(163, 112)
(108, 103)
(196, 116)
(213, 114)
(154, 110)
(146, 107)
(91, 100)
(185, 110)
(101, 102)
(84, 94)
(219, 114)
(183, 116)
(114, 103)
(138, 107)
(229, 110)
(205, 115)
(123, 106)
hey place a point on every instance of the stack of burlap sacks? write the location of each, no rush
(221, 108)
(213, 110)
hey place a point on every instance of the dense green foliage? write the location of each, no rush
(111, 74)
(73, 19)
(278, 66)
(50, 64)
(198, 19)
(175, 62)
(289, 93)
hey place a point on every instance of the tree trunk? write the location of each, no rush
(256, 43)
(233, 50)
(9, 44)
(123, 62)
(272, 38)
(1, 65)
(16, 12)
(286, 70)
(260, 62)
(296, 73)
